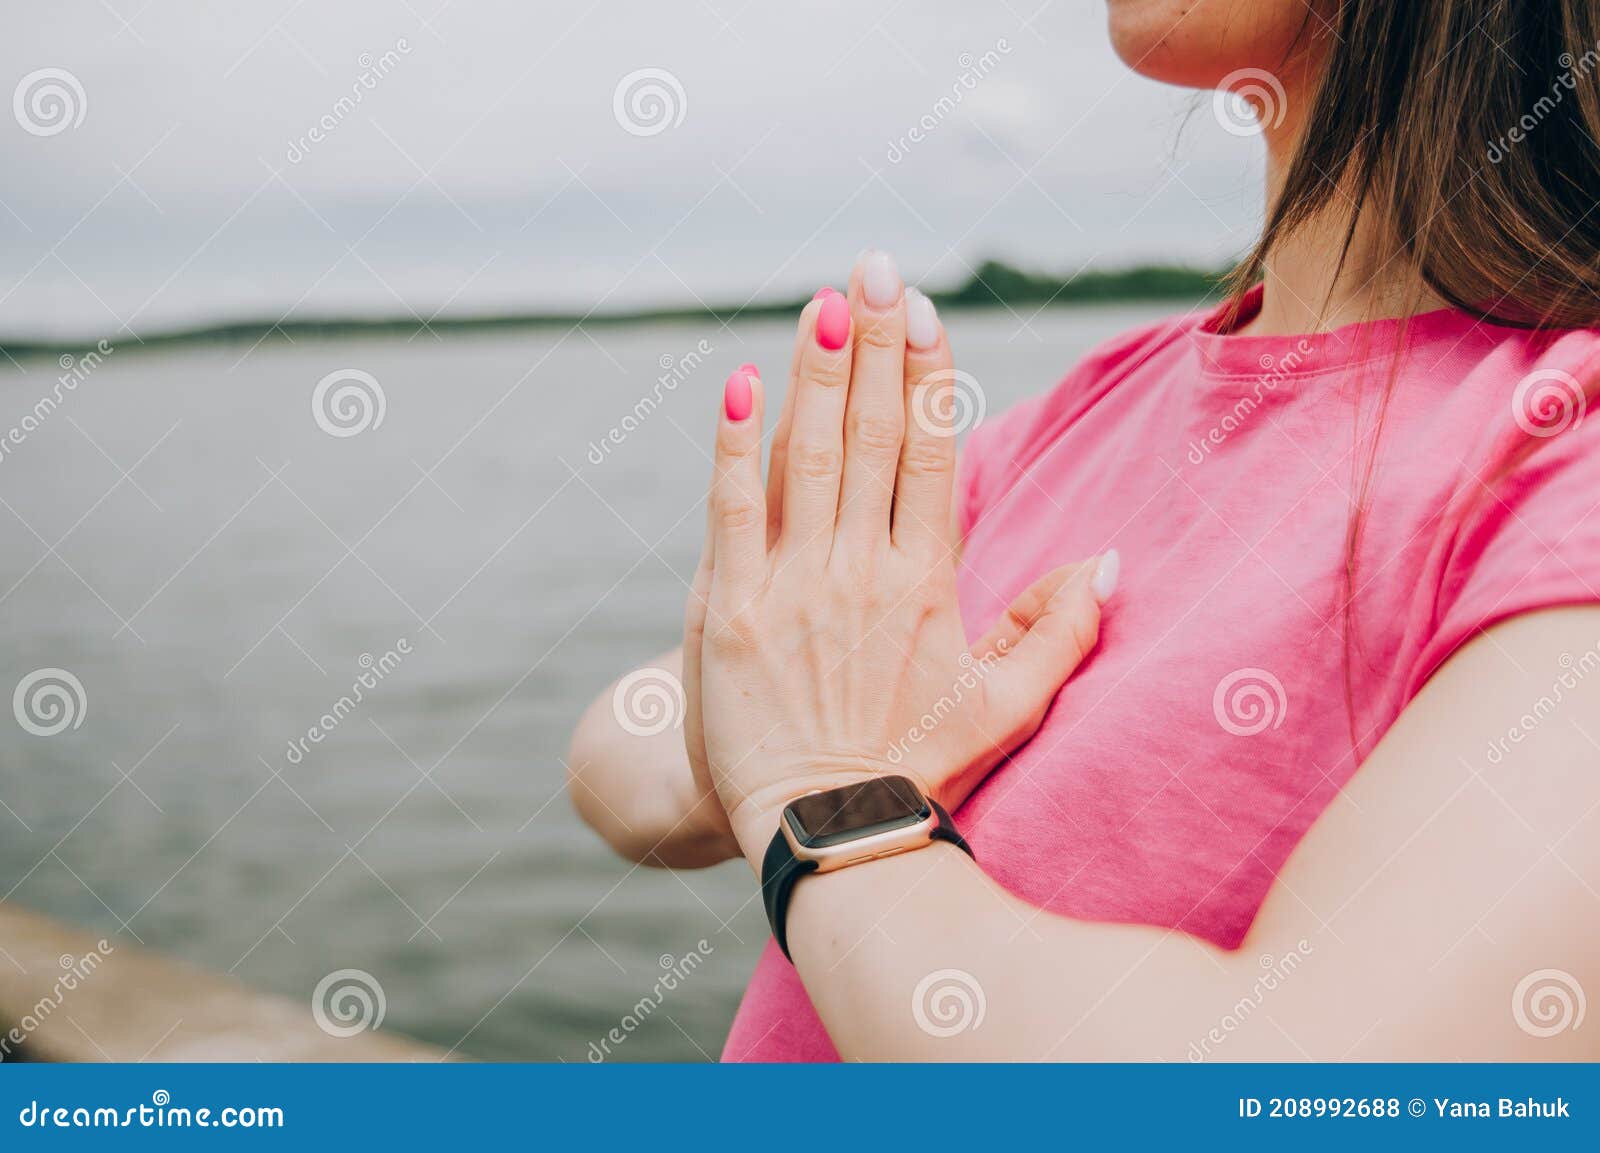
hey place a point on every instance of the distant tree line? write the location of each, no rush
(994, 284)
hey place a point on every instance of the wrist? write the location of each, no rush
(756, 816)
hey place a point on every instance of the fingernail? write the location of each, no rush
(833, 322)
(1104, 582)
(750, 370)
(825, 290)
(880, 279)
(736, 396)
(922, 320)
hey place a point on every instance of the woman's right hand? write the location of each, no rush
(650, 796)
(839, 650)
(694, 618)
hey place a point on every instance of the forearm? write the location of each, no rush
(1441, 908)
(899, 957)
(923, 957)
(637, 791)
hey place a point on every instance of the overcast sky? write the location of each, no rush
(488, 168)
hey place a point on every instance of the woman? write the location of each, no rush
(1141, 641)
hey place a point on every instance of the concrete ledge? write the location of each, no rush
(66, 995)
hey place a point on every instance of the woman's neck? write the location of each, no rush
(1312, 282)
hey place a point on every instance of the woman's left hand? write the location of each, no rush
(835, 650)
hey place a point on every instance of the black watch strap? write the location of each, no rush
(780, 869)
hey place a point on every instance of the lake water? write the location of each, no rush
(216, 570)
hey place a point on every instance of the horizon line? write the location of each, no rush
(993, 285)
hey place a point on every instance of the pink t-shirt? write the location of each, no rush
(1186, 758)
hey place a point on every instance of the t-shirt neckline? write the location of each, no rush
(1225, 355)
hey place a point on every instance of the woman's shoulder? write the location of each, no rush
(1494, 349)
(1519, 529)
(1500, 387)
(1098, 371)
(1001, 445)
(1114, 359)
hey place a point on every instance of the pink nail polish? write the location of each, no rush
(825, 291)
(750, 370)
(736, 396)
(833, 322)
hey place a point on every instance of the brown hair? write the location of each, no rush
(1466, 134)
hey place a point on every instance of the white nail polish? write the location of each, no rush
(922, 320)
(880, 280)
(1104, 582)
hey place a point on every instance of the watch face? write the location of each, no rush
(855, 811)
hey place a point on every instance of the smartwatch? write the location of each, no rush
(836, 828)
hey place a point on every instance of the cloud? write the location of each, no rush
(485, 166)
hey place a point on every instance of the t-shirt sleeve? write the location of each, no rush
(1528, 541)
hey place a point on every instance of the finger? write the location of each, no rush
(1007, 632)
(815, 452)
(738, 505)
(924, 485)
(875, 412)
(1058, 629)
(695, 614)
(778, 459)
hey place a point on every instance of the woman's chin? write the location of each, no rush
(1195, 43)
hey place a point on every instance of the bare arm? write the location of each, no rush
(637, 791)
(1444, 907)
